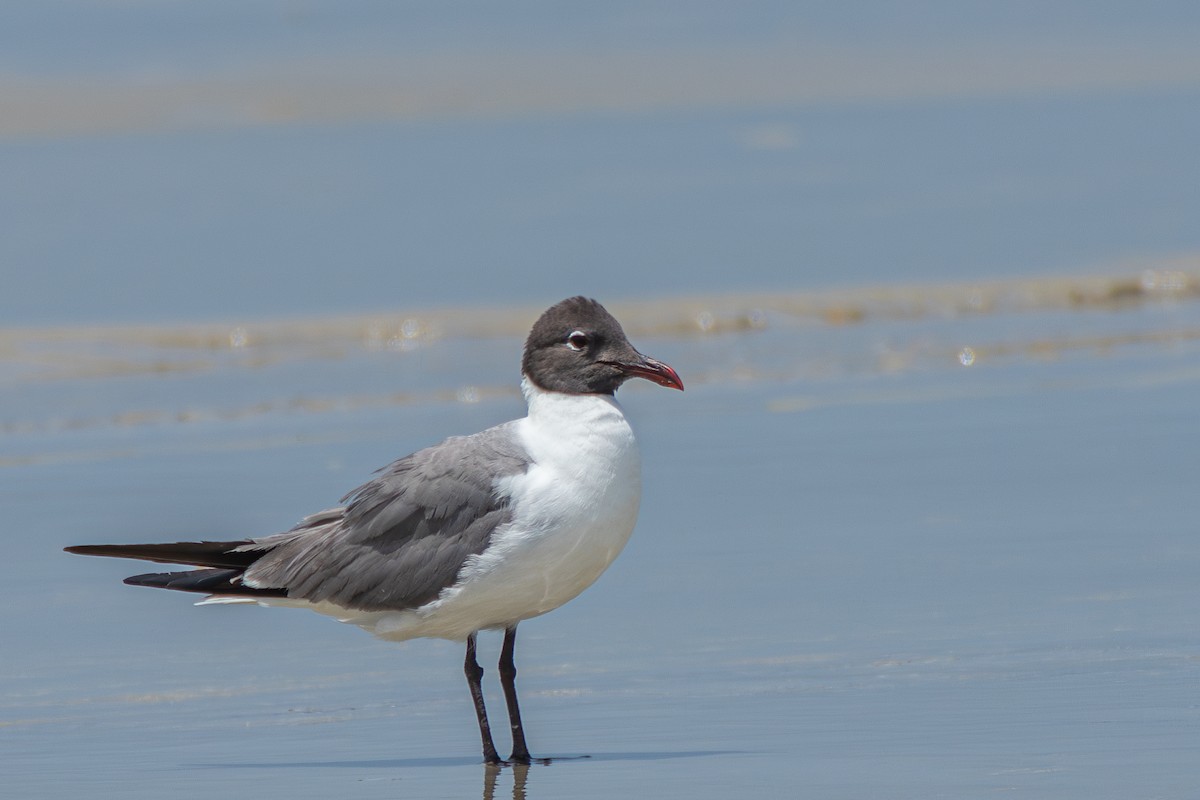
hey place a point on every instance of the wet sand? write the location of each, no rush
(866, 564)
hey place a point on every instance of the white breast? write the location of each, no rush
(573, 512)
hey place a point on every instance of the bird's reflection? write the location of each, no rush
(491, 775)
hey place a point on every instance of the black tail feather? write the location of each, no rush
(221, 566)
(204, 581)
(198, 554)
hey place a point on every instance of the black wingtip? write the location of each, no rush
(203, 581)
(198, 554)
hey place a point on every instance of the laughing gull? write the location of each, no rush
(479, 532)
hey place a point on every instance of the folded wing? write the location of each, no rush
(398, 541)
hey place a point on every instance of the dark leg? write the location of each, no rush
(474, 675)
(508, 679)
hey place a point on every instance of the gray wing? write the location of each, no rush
(402, 537)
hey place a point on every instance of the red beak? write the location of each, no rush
(655, 371)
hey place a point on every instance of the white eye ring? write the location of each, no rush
(577, 340)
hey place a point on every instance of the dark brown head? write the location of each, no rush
(579, 348)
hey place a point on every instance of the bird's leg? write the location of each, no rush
(474, 676)
(508, 679)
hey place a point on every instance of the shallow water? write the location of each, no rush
(862, 567)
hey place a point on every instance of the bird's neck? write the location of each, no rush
(578, 431)
(573, 415)
(550, 407)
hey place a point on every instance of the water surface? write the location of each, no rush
(938, 552)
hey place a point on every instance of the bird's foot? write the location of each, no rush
(517, 760)
(526, 759)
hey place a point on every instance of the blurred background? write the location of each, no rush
(923, 522)
(211, 160)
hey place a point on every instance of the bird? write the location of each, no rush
(479, 532)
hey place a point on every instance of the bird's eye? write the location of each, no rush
(577, 340)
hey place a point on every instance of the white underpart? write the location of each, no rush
(573, 511)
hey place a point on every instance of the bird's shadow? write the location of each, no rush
(455, 761)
